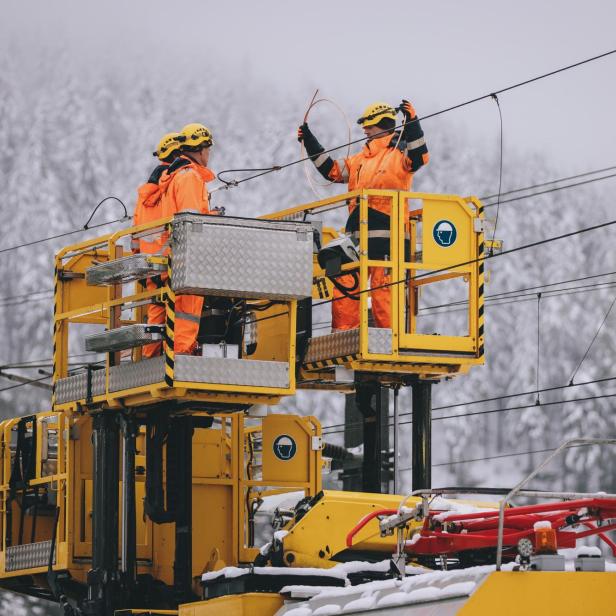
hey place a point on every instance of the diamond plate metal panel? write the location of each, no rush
(121, 338)
(137, 374)
(228, 371)
(75, 387)
(29, 556)
(346, 342)
(379, 340)
(337, 344)
(125, 269)
(237, 257)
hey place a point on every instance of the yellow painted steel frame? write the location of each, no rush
(247, 604)
(549, 593)
(76, 302)
(51, 476)
(429, 356)
(227, 482)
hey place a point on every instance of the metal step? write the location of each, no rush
(346, 343)
(29, 556)
(126, 269)
(127, 337)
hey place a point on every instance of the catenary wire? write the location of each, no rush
(55, 237)
(551, 190)
(483, 258)
(500, 168)
(273, 168)
(542, 287)
(25, 296)
(495, 457)
(542, 184)
(34, 362)
(264, 171)
(520, 293)
(515, 299)
(490, 411)
(47, 376)
(607, 314)
(503, 397)
(84, 228)
(500, 301)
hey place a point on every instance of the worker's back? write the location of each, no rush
(184, 187)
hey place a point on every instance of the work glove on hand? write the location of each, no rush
(312, 145)
(300, 131)
(411, 129)
(408, 110)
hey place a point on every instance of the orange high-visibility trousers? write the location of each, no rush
(345, 311)
(187, 317)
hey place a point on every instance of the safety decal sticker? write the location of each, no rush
(444, 233)
(285, 447)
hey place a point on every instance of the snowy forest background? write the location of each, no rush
(70, 137)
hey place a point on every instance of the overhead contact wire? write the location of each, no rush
(426, 117)
(86, 227)
(456, 265)
(607, 314)
(499, 397)
(542, 184)
(500, 168)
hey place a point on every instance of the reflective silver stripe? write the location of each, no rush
(151, 238)
(344, 172)
(134, 243)
(187, 317)
(320, 159)
(416, 144)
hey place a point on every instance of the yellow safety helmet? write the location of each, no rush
(169, 144)
(196, 136)
(374, 113)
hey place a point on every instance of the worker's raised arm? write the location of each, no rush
(333, 170)
(412, 142)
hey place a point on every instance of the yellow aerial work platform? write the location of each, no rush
(428, 241)
(265, 284)
(247, 269)
(49, 499)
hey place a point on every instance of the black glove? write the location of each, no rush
(411, 130)
(408, 110)
(312, 145)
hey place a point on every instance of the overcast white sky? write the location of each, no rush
(436, 53)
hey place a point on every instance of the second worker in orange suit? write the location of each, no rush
(387, 161)
(184, 187)
(148, 209)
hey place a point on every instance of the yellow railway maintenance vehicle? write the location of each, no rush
(143, 490)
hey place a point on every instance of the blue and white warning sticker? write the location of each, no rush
(284, 447)
(444, 233)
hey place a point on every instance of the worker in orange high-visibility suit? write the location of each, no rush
(183, 187)
(387, 161)
(148, 209)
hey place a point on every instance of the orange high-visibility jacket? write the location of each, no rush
(183, 187)
(377, 166)
(148, 209)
